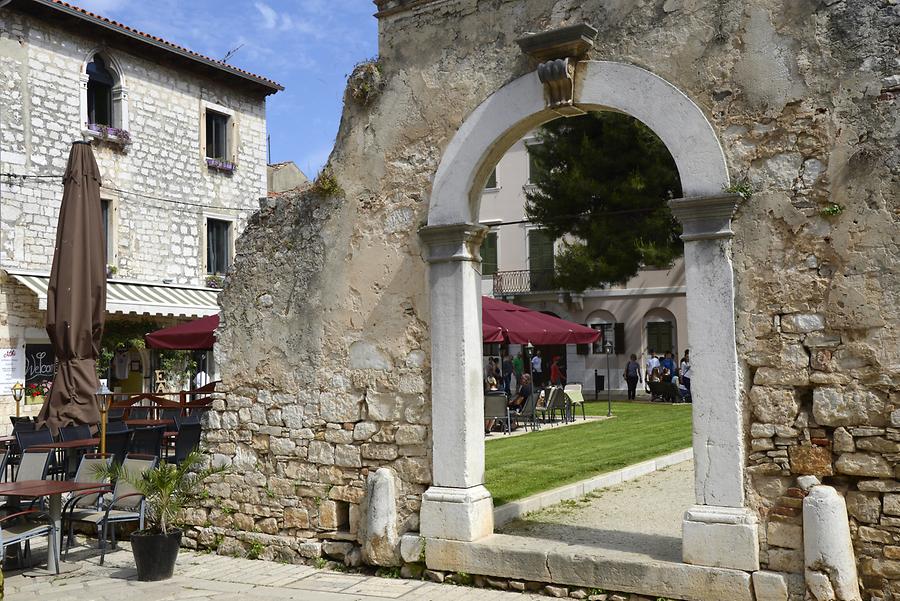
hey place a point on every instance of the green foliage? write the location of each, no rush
(832, 210)
(319, 563)
(638, 432)
(603, 180)
(166, 488)
(122, 334)
(177, 363)
(393, 572)
(256, 549)
(741, 188)
(365, 82)
(326, 184)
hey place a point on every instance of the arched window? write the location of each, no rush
(103, 97)
(100, 92)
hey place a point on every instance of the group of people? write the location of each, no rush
(660, 370)
(501, 370)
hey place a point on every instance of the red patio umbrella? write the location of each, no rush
(76, 296)
(518, 325)
(196, 335)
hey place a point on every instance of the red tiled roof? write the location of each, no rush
(165, 43)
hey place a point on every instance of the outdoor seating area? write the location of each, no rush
(553, 405)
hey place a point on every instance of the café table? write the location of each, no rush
(149, 422)
(54, 490)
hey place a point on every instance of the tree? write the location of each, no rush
(601, 182)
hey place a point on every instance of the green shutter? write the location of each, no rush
(540, 260)
(489, 254)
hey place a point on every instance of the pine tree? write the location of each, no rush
(601, 182)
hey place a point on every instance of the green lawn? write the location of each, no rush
(521, 466)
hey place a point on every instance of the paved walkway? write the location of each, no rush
(200, 577)
(640, 516)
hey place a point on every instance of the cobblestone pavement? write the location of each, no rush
(199, 577)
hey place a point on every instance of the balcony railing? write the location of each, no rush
(525, 280)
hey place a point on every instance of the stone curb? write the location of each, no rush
(510, 511)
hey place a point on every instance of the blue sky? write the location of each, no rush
(308, 46)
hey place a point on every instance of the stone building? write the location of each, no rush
(646, 312)
(352, 347)
(181, 144)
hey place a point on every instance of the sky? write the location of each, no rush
(308, 46)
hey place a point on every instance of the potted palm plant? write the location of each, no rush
(166, 489)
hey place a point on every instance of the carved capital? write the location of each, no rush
(558, 77)
(454, 242)
(705, 217)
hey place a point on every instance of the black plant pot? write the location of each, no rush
(155, 554)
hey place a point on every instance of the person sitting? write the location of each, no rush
(655, 377)
(522, 394)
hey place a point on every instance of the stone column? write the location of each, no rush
(719, 530)
(457, 506)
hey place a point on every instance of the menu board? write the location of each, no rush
(9, 363)
(39, 359)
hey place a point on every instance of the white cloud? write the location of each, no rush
(269, 16)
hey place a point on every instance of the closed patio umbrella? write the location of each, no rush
(76, 296)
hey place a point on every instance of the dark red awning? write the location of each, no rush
(518, 325)
(197, 335)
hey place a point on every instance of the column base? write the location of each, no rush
(463, 514)
(721, 537)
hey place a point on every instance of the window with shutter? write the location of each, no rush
(218, 246)
(489, 254)
(216, 135)
(540, 260)
(659, 336)
(619, 338)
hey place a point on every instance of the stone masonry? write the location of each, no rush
(325, 339)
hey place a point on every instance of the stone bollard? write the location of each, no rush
(827, 548)
(380, 537)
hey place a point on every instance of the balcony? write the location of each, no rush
(523, 281)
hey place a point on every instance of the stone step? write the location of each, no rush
(518, 557)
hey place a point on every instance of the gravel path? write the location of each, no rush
(640, 516)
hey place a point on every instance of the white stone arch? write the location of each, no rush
(119, 90)
(457, 506)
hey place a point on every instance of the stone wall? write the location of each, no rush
(328, 326)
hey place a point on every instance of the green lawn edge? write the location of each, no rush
(518, 467)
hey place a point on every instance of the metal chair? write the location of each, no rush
(139, 413)
(147, 441)
(554, 402)
(576, 399)
(74, 433)
(188, 439)
(171, 414)
(495, 408)
(527, 415)
(126, 504)
(116, 426)
(181, 420)
(34, 465)
(88, 499)
(116, 414)
(23, 532)
(39, 437)
(117, 444)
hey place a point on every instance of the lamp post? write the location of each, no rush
(103, 401)
(18, 391)
(608, 349)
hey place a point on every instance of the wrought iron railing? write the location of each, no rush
(524, 280)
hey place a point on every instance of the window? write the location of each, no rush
(613, 332)
(104, 219)
(99, 93)
(489, 254)
(216, 135)
(218, 246)
(659, 336)
(540, 260)
(534, 168)
(492, 180)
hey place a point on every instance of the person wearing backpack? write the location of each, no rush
(632, 376)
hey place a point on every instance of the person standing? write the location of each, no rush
(536, 374)
(506, 371)
(518, 367)
(556, 375)
(652, 363)
(667, 366)
(686, 369)
(632, 376)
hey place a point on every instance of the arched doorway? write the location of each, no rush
(457, 506)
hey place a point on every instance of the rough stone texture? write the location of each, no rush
(380, 535)
(794, 92)
(810, 460)
(864, 506)
(770, 586)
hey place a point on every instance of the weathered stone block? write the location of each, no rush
(864, 506)
(768, 376)
(892, 504)
(267, 526)
(863, 464)
(373, 450)
(833, 407)
(383, 406)
(843, 441)
(412, 548)
(875, 535)
(340, 436)
(758, 430)
(414, 469)
(338, 408)
(365, 355)
(774, 405)
(762, 444)
(877, 444)
(801, 323)
(296, 517)
(410, 434)
(810, 460)
(347, 455)
(770, 586)
(364, 430)
(321, 452)
(786, 560)
(783, 534)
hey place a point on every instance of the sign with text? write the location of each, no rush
(9, 364)
(39, 359)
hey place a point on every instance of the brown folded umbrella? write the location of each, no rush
(76, 296)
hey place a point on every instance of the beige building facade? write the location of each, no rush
(647, 312)
(182, 156)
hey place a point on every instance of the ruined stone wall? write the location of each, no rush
(326, 318)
